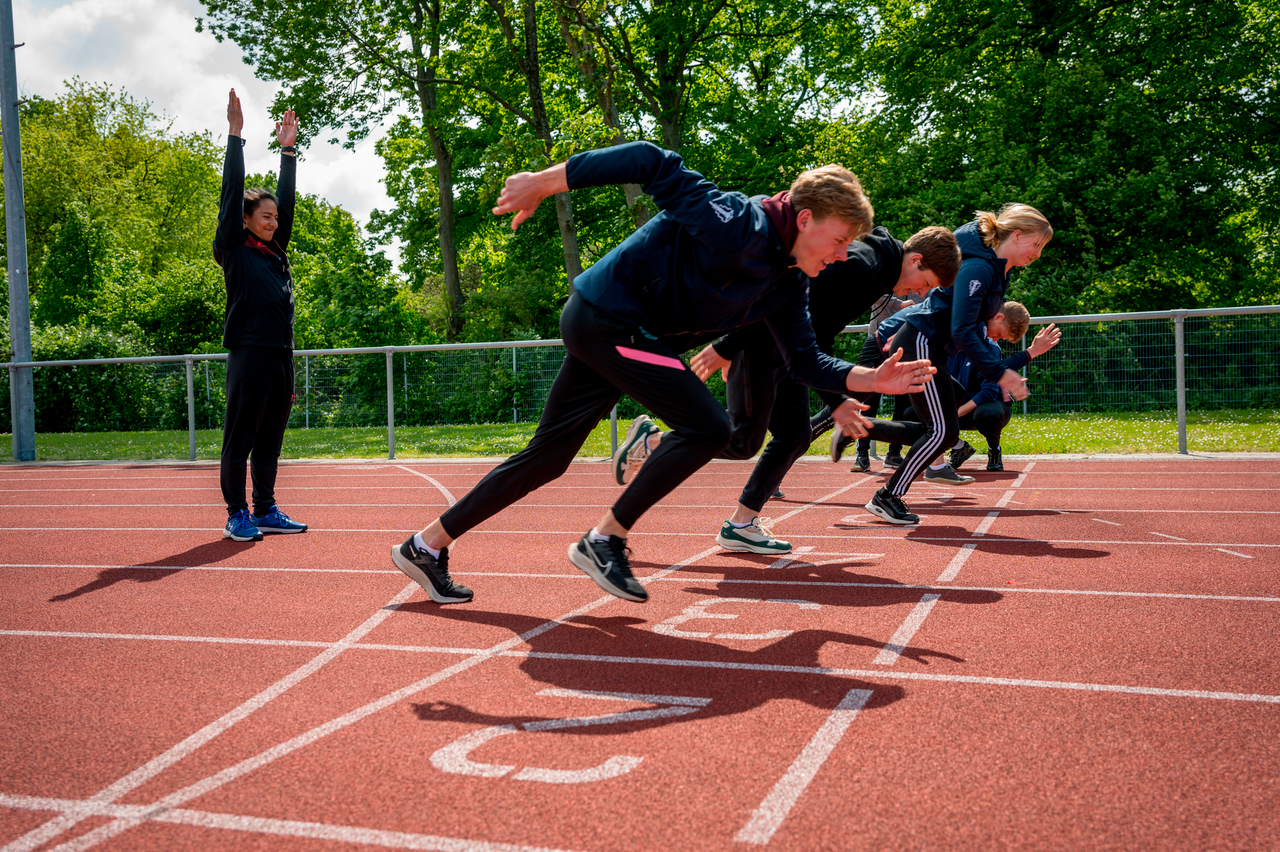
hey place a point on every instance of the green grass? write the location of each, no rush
(1128, 432)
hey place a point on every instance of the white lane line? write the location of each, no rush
(445, 491)
(890, 653)
(1166, 535)
(262, 825)
(235, 640)
(778, 804)
(900, 674)
(244, 767)
(43, 834)
(1233, 553)
(984, 526)
(957, 562)
(1112, 523)
(784, 561)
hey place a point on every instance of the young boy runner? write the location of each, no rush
(761, 395)
(986, 407)
(954, 319)
(710, 261)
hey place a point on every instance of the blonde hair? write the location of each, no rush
(834, 191)
(995, 228)
(1016, 317)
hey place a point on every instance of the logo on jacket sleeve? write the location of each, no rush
(974, 286)
(723, 213)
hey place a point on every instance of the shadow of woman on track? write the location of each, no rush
(166, 566)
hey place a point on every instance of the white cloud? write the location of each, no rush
(151, 49)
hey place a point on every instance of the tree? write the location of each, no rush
(1135, 125)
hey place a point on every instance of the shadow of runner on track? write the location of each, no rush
(622, 640)
(871, 591)
(146, 572)
(1007, 545)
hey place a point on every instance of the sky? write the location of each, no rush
(151, 49)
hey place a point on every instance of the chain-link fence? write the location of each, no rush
(1227, 359)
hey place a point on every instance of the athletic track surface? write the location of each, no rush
(1072, 654)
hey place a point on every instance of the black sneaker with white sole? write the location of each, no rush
(429, 572)
(960, 456)
(608, 564)
(995, 459)
(892, 460)
(890, 508)
(861, 462)
(947, 476)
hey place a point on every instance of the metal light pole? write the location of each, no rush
(21, 394)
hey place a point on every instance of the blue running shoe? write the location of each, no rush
(275, 521)
(240, 527)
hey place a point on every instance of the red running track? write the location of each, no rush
(1072, 654)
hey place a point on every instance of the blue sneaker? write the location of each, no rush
(240, 527)
(275, 521)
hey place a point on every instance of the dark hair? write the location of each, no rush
(939, 252)
(255, 195)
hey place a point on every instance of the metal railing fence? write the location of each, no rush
(1161, 360)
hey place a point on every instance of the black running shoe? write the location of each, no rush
(889, 508)
(995, 460)
(430, 573)
(777, 492)
(960, 456)
(839, 441)
(893, 460)
(606, 562)
(861, 462)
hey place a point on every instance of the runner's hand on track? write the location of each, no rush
(849, 415)
(707, 362)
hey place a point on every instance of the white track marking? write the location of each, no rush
(984, 526)
(1112, 523)
(899, 674)
(448, 495)
(1233, 553)
(957, 562)
(244, 767)
(783, 797)
(890, 653)
(1166, 535)
(158, 764)
(262, 825)
(789, 558)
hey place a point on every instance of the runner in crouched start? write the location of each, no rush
(709, 262)
(984, 406)
(953, 320)
(763, 397)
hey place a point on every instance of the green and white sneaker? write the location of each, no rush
(755, 537)
(633, 451)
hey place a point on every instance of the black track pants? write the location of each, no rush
(259, 396)
(935, 405)
(603, 361)
(989, 419)
(762, 398)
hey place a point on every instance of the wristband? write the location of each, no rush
(288, 149)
